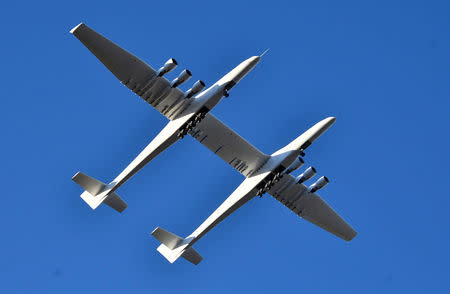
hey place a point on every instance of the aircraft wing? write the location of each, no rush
(228, 145)
(141, 78)
(311, 207)
(134, 73)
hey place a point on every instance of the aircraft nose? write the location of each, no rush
(240, 71)
(244, 68)
(252, 61)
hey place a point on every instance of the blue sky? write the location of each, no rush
(381, 67)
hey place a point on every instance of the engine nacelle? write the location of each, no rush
(182, 78)
(167, 67)
(196, 88)
(295, 165)
(306, 175)
(319, 184)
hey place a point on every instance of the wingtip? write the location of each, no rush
(75, 176)
(72, 31)
(155, 231)
(351, 237)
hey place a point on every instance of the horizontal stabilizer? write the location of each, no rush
(167, 238)
(173, 247)
(115, 202)
(192, 256)
(96, 193)
(93, 186)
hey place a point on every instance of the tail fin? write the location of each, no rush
(96, 194)
(173, 247)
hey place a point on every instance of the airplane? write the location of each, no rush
(190, 113)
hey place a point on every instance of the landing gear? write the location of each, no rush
(191, 124)
(225, 93)
(259, 193)
(268, 185)
(277, 177)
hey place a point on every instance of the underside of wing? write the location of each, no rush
(228, 145)
(311, 207)
(134, 73)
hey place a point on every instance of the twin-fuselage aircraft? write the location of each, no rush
(190, 113)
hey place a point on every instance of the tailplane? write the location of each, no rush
(97, 192)
(173, 247)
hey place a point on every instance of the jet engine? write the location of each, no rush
(319, 184)
(196, 88)
(182, 77)
(295, 165)
(306, 175)
(167, 67)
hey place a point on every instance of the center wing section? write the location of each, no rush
(228, 145)
(311, 207)
(134, 73)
